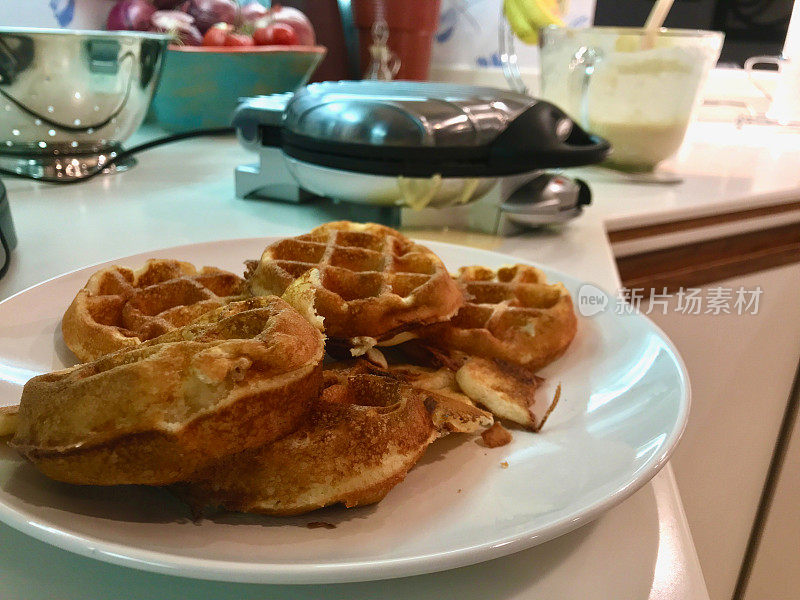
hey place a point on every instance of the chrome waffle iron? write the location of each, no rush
(417, 154)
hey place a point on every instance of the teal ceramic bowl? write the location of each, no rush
(200, 87)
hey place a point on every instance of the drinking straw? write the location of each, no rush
(654, 22)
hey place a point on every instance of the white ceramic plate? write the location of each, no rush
(624, 406)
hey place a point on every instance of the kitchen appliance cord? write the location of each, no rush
(6, 255)
(177, 137)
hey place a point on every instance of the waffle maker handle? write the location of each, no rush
(546, 136)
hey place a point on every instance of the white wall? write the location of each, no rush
(74, 14)
(468, 34)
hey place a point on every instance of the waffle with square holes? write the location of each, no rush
(511, 314)
(242, 376)
(362, 436)
(121, 307)
(368, 281)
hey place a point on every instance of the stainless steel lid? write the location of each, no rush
(407, 114)
(417, 129)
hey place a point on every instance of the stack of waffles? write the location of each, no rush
(319, 377)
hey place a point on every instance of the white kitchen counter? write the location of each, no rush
(183, 194)
(724, 169)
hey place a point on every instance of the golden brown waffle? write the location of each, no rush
(511, 314)
(8, 420)
(156, 413)
(361, 439)
(507, 391)
(120, 307)
(369, 281)
(439, 380)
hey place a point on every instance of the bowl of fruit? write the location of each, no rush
(222, 50)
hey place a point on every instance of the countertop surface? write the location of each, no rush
(183, 193)
(722, 169)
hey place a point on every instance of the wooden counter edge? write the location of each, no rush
(706, 262)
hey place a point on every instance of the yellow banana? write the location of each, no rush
(526, 17)
(518, 23)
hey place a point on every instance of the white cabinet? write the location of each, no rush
(741, 369)
(776, 569)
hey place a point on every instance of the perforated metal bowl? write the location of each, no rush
(68, 99)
